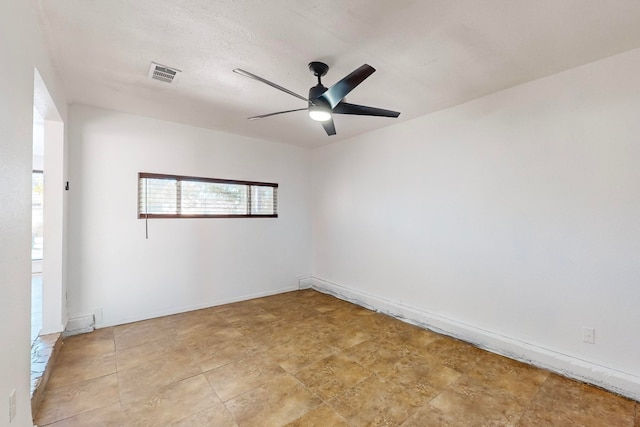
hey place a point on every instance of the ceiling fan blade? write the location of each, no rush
(267, 82)
(363, 110)
(335, 93)
(275, 114)
(329, 127)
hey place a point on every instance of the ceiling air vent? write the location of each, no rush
(163, 73)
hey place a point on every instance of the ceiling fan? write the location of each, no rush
(323, 102)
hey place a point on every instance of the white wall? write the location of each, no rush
(21, 49)
(38, 141)
(185, 263)
(54, 314)
(512, 220)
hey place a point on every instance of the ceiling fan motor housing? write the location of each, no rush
(314, 94)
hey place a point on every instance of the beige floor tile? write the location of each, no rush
(143, 381)
(247, 306)
(243, 375)
(273, 404)
(349, 311)
(262, 301)
(70, 400)
(342, 334)
(324, 307)
(211, 353)
(96, 343)
(312, 325)
(298, 353)
(537, 415)
(322, 416)
(216, 416)
(174, 403)
(332, 375)
(584, 404)
(247, 324)
(452, 353)
(148, 353)
(469, 397)
(429, 416)
(108, 416)
(293, 312)
(376, 355)
(343, 340)
(316, 332)
(255, 315)
(605, 405)
(331, 331)
(418, 374)
(331, 305)
(199, 321)
(137, 333)
(207, 336)
(226, 307)
(377, 402)
(271, 334)
(375, 323)
(522, 381)
(408, 335)
(72, 369)
(292, 297)
(203, 313)
(203, 339)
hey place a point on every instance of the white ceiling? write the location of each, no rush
(429, 54)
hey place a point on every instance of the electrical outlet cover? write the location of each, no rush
(588, 335)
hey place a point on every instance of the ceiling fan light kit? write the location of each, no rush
(322, 103)
(319, 114)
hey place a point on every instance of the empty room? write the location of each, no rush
(335, 213)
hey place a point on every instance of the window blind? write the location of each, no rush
(174, 196)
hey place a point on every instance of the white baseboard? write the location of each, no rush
(80, 324)
(613, 380)
(55, 330)
(304, 282)
(183, 309)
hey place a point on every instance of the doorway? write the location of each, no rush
(48, 214)
(37, 224)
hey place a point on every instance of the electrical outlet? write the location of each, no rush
(589, 335)
(12, 405)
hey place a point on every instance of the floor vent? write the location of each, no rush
(163, 73)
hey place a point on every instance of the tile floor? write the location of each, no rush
(305, 359)
(44, 352)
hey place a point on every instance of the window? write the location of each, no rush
(173, 196)
(37, 208)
